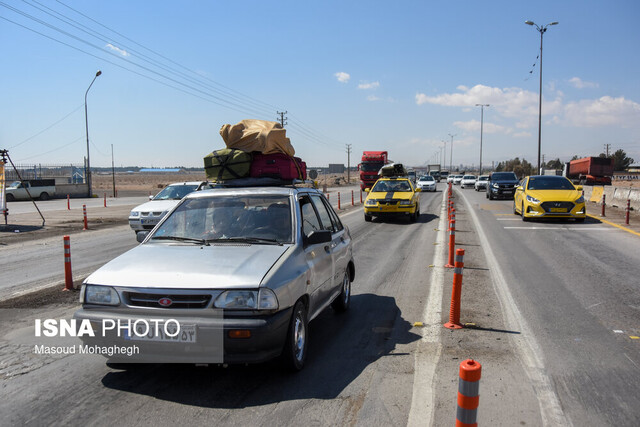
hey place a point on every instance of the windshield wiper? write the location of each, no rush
(245, 240)
(182, 239)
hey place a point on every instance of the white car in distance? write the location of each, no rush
(468, 181)
(427, 183)
(147, 215)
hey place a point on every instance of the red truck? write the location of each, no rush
(369, 167)
(590, 170)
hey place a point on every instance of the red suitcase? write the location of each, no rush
(278, 165)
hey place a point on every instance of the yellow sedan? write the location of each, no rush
(392, 197)
(548, 196)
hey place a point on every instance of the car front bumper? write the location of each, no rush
(390, 211)
(531, 210)
(213, 344)
(502, 193)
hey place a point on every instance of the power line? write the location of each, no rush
(47, 128)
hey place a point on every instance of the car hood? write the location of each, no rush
(555, 195)
(391, 195)
(506, 182)
(156, 206)
(171, 265)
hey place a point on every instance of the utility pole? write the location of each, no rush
(606, 147)
(283, 118)
(113, 172)
(481, 128)
(348, 163)
(451, 154)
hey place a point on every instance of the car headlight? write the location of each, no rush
(495, 185)
(533, 200)
(405, 202)
(371, 202)
(264, 299)
(104, 295)
(134, 214)
(580, 200)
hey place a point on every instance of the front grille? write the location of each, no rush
(388, 201)
(139, 299)
(506, 186)
(557, 205)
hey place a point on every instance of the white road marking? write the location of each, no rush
(526, 344)
(429, 347)
(561, 228)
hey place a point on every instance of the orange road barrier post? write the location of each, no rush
(452, 243)
(328, 197)
(456, 291)
(338, 200)
(468, 393)
(626, 217)
(68, 203)
(84, 213)
(105, 200)
(68, 277)
(604, 203)
(352, 200)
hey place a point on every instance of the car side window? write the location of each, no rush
(337, 224)
(310, 221)
(327, 224)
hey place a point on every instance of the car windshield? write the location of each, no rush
(549, 183)
(14, 184)
(504, 176)
(391, 186)
(371, 166)
(253, 219)
(483, 178)
(469, 177)
(427, 178)
(175, 192)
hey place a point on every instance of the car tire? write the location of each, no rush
(10, 198)
(341, 303)
(295, 346)
(368, 218)
(580, 219)
(524, 218)
(490, 195)
(44, 196)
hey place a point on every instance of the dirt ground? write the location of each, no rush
(135, 184)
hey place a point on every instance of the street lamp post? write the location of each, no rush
(451, 154)
(481, 127)
(542, 30)
(86, 122)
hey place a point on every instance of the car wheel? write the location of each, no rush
(10, 198)
(44, 196)
(341, 304)
(368, 218)
(580, 219)
(524, 218)
(295, 347)
(487, 194)
(490, 195)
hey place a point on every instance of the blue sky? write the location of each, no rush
(400, 76)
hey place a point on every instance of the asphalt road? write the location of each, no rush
(575, 287)
(551, 310)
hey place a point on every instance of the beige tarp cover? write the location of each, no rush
(257, 135)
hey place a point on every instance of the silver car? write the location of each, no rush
(228, 276)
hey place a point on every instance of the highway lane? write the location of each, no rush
(576, 287)
(360, 367)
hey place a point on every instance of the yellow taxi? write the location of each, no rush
(392, 196)
(549, 196)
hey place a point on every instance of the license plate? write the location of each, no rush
(187, 333)
(557, 210)
(149, 221)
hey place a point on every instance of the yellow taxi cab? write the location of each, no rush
(549, 196)
(392, 196)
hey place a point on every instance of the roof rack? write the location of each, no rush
(264, 182)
